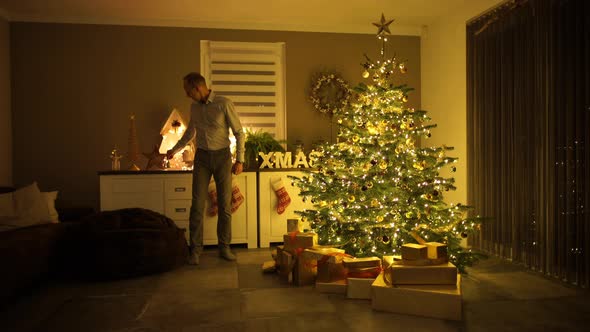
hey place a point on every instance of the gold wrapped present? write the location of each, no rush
(286, 262)
(413, 251)
(398, 260)
(328, 261)
(296, 242)
(365, 262)
(294, 225)
(437, 301)
(269, 266)
(325, 253)
(436, 250)
(359, 288)
(305, 270)
(398, 274)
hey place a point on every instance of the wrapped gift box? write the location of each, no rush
(305, 270)
(359, 288)
(286, 262)
(388, 260)
(294, 225)
(436, 250)
(328, 261)
(437, 301)
(366, 262)
(328, 271)
(444, 274)
(296, 242)
(335, 287)
(413, 251)
(363, 272)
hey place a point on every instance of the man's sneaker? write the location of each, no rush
(226, 254)
(193, 258)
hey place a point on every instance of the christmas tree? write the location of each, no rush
(377, 189)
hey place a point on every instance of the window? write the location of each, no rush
(252, 75)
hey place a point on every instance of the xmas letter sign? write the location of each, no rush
(285, 160)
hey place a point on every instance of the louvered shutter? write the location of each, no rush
(252, 75)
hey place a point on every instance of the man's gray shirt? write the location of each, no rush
(211, 121)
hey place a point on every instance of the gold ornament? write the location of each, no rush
(366, 74)
(405, 99)
(402, 68)
(380, 218)
(369, 185)
(375, 202)
(355, 138)
(351, 198)
(383, 165)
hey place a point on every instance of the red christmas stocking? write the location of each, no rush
(212, 210)
(236, 196)
(282, 195)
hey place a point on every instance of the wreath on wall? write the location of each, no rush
(330, 93)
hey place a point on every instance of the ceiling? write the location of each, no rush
(344, 16)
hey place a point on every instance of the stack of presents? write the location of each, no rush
(419, 282)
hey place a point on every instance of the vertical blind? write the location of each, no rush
(528, 115)
(252, 75)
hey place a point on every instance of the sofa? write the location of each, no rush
(84, 244)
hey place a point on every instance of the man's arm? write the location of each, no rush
(238, 131)
(189, 134)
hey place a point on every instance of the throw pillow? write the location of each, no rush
(30, 206)
(50, 198)
(6, 205)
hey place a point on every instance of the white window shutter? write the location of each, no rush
(252, 75)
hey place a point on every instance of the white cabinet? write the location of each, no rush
(170, 193)
(273, 225)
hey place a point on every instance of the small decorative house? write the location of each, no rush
(171, 132)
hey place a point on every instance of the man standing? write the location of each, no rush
(211, 118)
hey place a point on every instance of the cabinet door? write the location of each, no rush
(273, 225)
(244, 221)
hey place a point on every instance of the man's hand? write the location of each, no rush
(169, 154)
(237, 168)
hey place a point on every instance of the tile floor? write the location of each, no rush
(236, 296)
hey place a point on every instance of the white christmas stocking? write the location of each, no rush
(283, 199)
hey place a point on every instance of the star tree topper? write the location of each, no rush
(383, 26)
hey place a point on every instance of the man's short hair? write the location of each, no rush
(195, 79)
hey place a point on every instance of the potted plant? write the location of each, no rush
(259, 141)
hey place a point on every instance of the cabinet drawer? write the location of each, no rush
(178, 209)
(178, 189)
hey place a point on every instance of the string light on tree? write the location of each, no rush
(376, 187)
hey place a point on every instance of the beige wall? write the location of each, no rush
(444, 94)
(5, 114)
(75, 85)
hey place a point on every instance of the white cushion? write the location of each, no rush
(30, 205)
(50, 199)
(7, 205)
